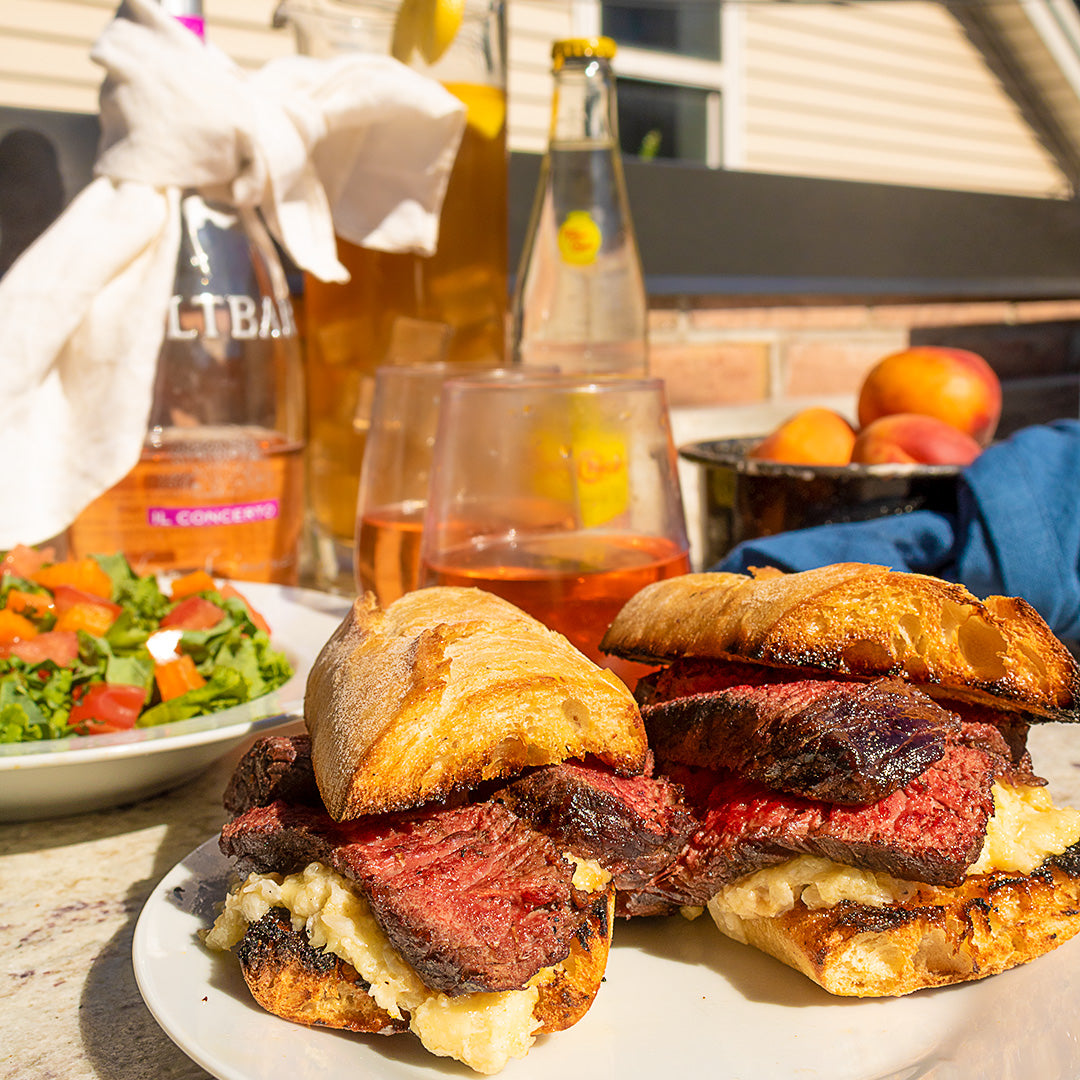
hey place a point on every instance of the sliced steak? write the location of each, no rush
(633, 826)
(834, 740)
(275, 767)
(999, 733)
(932, 830)
(471, 897)
(688, 676)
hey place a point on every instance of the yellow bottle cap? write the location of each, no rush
(601, 47)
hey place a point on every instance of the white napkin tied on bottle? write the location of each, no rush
(356, 145)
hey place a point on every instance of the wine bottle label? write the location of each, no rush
(240, 317)
(579, 238)
(187, 517)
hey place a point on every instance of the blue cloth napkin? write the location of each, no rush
(1016, 531)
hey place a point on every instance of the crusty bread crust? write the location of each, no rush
(988, 924)
(449, 687)
(290, 979)
(861, 620)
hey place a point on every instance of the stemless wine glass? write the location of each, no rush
(392, 493)
(559, 493)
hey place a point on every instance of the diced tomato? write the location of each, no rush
(23, 561)
(195, 582)
(193, 613)
(85, 574)
(107, 707)
(59, 646)
(28, 602)
(176, 677)
(80, 610)
(228, 591)
(15, 627)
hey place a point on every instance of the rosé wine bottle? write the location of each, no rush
(220, 482)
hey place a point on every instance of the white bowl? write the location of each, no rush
(91, 772)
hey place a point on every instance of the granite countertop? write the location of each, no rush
(72, 891)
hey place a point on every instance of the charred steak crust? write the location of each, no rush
(275, 767)
(634, 827)
(833, 740)
(471, 897)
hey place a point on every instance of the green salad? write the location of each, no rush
(87, 646)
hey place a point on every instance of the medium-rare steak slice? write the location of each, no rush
(274, 767)
(471, 897)
(634, 826)
(834, 740)
(688, 676)
(929, 831)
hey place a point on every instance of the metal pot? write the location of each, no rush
(743, 498)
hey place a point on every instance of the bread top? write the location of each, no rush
(449, 687)
(861, 620)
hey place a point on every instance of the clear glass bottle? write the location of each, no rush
(580, 301)
(220, 482)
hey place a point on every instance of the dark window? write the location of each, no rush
(691, 28)
(658, 120)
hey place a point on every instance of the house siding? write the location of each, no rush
(45, 47)
(882, 92)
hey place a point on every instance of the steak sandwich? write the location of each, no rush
(851, 744)
(385, 888)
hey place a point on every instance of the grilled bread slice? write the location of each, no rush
(860, 620)
(465, 688)
(989, 923)
(290, 978)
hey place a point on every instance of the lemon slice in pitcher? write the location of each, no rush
(427, 25)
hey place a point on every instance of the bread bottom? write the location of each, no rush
(988, 924)
(289, 978)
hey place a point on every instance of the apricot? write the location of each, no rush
(812, 437)
(911, 438)
(954, 385)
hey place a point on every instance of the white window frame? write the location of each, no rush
(721, 80)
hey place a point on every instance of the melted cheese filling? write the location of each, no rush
(483, 1030)
(1024, 830)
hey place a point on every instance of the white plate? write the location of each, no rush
(89, 772)
(679, 1000)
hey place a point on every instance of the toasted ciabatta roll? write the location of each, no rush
(861, 620)
(935, 937)
(310, 986)
(880, 836)
(385, 889)
(468, 688)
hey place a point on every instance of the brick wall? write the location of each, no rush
(724, 352)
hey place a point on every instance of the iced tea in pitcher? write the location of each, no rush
(352, 328)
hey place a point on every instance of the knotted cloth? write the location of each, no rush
(355, 145)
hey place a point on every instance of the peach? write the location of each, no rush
(911, 438)
(954, 385)
(811, 437)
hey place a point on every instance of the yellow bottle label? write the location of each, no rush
(603, 479)
(579, 238)
(584, 465)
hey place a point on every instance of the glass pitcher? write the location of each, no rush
(462, 289)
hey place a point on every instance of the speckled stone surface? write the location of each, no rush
(71, 890)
